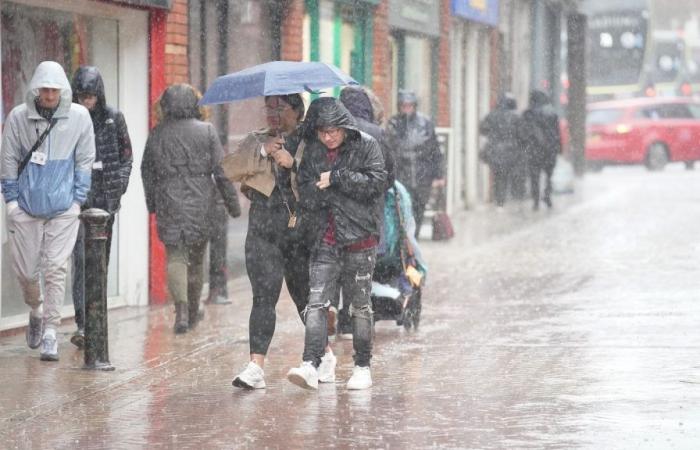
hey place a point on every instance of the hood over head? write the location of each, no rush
(538, 99)
(507, 101)
(328, 112)
(407, 96)
(49, 74)
(180, 101)
(356, 100)
(88, 80)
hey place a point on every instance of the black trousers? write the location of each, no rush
(218, 243)
(535, 171)
(419, 199)
(500, 183)
(331, 268)
(272, 255)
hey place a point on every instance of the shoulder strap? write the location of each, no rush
(36, 145)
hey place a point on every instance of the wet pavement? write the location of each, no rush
(572, 328)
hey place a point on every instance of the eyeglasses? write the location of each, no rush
(329, 132)
(278, 110)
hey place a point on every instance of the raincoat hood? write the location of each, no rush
(180, 101)
(88, 80)
(406, 96)
(538, 99)
(356, 100)
(329, 112)
(49, 74)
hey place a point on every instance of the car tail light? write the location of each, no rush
(623, 128)
(686, 89)
(650, 92)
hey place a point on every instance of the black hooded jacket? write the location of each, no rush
(358, 178)
(356, 100)
(539, 131)
(501, 127)
(181, 169)
(113, 153)
(418, 157)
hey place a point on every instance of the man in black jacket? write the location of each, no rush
(341, 183)
(110, 175)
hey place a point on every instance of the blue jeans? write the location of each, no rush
(331, 268)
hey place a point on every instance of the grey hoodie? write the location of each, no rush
(48, 190)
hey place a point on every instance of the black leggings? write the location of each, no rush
(272, 256)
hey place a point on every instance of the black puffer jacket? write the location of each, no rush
(356, 100)
(418, 157)
(113, 154)
(539, 131)
(357, 177)
(181, 168)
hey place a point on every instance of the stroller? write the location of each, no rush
(400, 271)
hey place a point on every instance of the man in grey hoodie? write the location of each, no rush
(44, 189)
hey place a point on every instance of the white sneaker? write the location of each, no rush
(252, 377)
(49, 346)
(305, 376)
(361, 378)
(326, 371)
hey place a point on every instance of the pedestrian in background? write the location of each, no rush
(48, 149)
(500, 127)
(341, 183)
(419, 162)
(181, 168)
(266, 163)
(541, 139)
(110, 176)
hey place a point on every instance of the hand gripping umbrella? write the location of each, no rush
(275, 78)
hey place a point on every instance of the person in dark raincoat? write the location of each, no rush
(541, 138)
(181, 168)
(265, 163)
(341, 184)
(500, 127)
(110, 176)
(419, 162)
(359, 103)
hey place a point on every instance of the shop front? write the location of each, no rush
(340, 32)
(470, 81)
(415, 32)
(115, 39)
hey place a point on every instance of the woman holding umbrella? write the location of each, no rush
(265, 165)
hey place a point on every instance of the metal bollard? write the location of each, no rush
(96, 336)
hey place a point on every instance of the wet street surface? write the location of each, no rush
(572, 328)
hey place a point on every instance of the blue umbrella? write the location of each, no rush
(275, 78)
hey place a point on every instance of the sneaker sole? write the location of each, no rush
(300, 381)
(237, 382)
(78, 341)
(326, 380)
(358, 388)
(52, 358)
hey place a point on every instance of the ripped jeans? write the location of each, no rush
(332, 267)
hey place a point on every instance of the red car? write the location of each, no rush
(649, 131)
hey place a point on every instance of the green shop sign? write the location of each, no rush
(418, 16)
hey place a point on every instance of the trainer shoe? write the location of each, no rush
(252, 377)
(361, 378)
(78, 338)
(35, 331)
(326, 371)
(305, 376)
(49, 346)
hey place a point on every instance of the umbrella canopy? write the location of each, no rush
(275, 78)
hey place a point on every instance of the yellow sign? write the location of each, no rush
(478, 4)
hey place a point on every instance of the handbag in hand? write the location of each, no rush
(442, 225)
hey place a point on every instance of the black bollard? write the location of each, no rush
(96, 345)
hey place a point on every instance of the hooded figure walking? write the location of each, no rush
(541, 138)
(500, 127)
(181, 167)
(110, 175)
(48, 148)
(419, 162)
(341, 184)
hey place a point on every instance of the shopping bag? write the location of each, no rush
(563, 176)
(442, 226)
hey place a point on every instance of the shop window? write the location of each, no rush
(31, 35)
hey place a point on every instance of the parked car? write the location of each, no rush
(649, 131)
